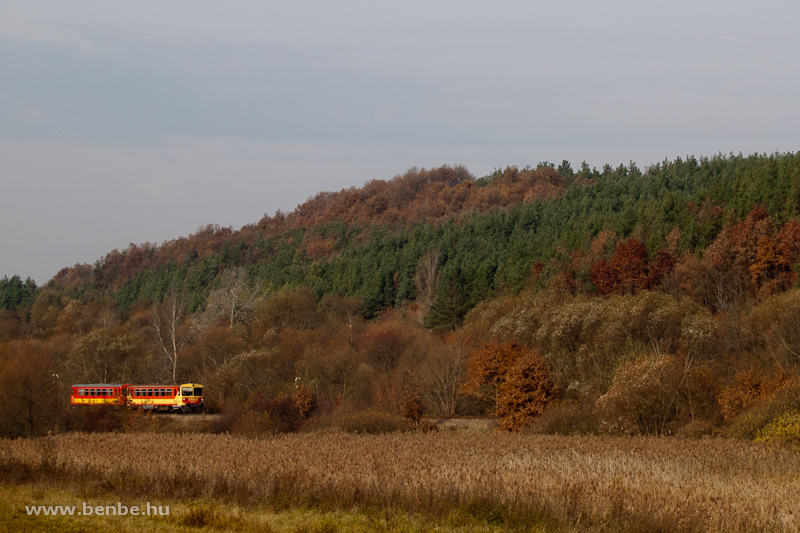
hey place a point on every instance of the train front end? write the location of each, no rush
(190, 399)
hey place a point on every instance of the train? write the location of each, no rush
(185, 398)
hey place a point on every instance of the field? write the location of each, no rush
(454, 481)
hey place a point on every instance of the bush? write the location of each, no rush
(261, 416)
(766, 410)
(785, 428)
(372, 422)
(305, 400)
(102, 419)
(567, 418)
(641, 399)
(412, 408)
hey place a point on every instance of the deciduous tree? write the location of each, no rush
(525, 393)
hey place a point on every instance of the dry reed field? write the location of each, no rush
(560, 483)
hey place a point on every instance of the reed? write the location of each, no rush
(597, 483)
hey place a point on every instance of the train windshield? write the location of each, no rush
(198, 391)
(186, 391)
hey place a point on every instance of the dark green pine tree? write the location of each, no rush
(451, 302)
(15, 294)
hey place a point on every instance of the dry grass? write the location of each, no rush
(561, 483)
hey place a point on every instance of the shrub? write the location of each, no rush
(372, 422)
(641, 398)
(102, 418)
(261, 416)
(750, 386)
(766, 409)
(412, 408)
(305, 400)
(785, 428)
(566, 418)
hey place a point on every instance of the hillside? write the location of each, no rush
(349, 289)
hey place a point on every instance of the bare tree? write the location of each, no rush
(443, 374)
(237, 298)
(166, 320)
(426, 280)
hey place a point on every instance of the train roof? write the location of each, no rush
(165, 385)
(136, 385)
(98, 385)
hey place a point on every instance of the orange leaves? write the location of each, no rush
(436, 193)
(305, 400)
(489, 366)
(525, 394)
(412, 408)
(750, 386)
(747, 260)
(628, 270)
(516, 379)
(317, 247)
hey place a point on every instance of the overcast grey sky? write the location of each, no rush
(126, 122)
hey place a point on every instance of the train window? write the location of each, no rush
(137, 392)
(149, 392)
(163, 392)
(80, 392)
(198, 391)
(186, 391)
(91, 392)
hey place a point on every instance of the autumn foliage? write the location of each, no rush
(672, 284)
(525, 393)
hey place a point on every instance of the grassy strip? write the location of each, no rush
(202, 515)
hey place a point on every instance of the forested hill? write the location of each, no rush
(594, 231)
(615, 301)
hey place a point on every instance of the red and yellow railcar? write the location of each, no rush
(99, 394)
(184, 398)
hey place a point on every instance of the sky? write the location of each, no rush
(133, 122)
